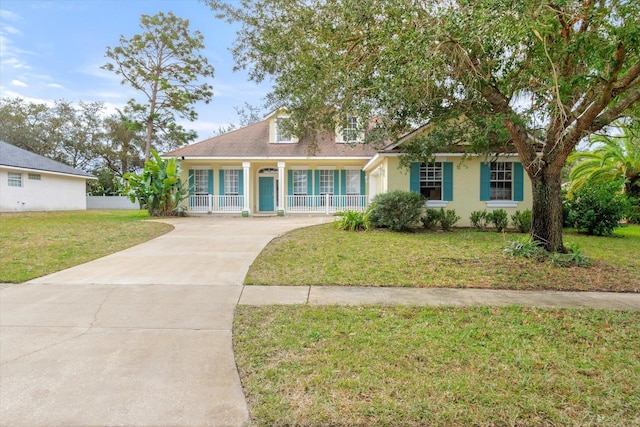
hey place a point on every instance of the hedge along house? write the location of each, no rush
(454, 179)
(262, 169)
(30, 182)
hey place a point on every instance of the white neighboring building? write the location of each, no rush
(30, 182)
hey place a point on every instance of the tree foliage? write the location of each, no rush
(535, 77)
(158, 188)
(162, 63)
(68, 133)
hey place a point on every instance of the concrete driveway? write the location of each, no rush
(141, 337)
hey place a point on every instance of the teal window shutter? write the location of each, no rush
(192, 181)
(343, 182)
(518, 182)
(290, 182)
(414, 177)
(447, 181)
(210, 181)
(485, 181)
(336, 182)
(221, 183)
(363, 188)
(316, 183)
(309, 183)
(241, 182)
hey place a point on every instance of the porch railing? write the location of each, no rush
(326, 203)
(204, 203)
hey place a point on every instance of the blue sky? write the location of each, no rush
(54, 49)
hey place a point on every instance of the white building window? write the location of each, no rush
(14, 179)
(300, 183)
(353, 182)
(231, 182)
(283, 135)
(500, 181)
(431, 180)
(201, 181)
(326, 181)
(35, 176)
(350, 131)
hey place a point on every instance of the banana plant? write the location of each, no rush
(158, 188)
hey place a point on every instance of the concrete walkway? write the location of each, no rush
(143, 337)
(138, 338)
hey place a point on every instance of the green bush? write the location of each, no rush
(522, 221)
(499, 218)
(430, 219)
(479, 219)
(448, 218)
(397, 210)
(528, 248)
(633, 212)
(598, 209)
(353, 221)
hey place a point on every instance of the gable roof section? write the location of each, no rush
(253, 141)
(12, 156)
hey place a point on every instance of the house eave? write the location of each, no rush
(69, 175)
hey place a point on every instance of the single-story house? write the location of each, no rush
(30, 182)
(262, 169)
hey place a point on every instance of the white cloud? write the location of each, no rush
(12, 30)
(55, 85)
(19, 83)
(9, 16)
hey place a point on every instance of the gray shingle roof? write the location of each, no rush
(10, 155)
(253, 141)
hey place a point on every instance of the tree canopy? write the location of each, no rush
(535, 77)
(163, 64)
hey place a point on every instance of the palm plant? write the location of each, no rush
(615, 158)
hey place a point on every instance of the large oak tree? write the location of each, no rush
(531, 76)
(163, 64)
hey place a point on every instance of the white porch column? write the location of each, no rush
(281, 192)
(245, 189)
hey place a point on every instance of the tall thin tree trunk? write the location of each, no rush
(546, 226)
(147, 146)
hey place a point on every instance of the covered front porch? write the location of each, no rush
(275, 188)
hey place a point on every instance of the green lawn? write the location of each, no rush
(38, 243)
(413, 366)
(322, 255)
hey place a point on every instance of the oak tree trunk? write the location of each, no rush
(546, 226)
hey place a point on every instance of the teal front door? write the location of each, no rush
(266, 193)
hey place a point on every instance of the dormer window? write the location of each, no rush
(349, 132)
(282, 135)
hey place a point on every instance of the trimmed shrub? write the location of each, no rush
(499, 218)
(448, 218)
(397, 210)
(598, 209)
(479, 219)
(430, 219)
(522, 221)
(353, 221)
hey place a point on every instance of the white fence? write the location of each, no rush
(111, 203)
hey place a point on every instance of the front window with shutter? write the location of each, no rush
(501, 181)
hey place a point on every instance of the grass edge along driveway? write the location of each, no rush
(35, 244)
(322, 255)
